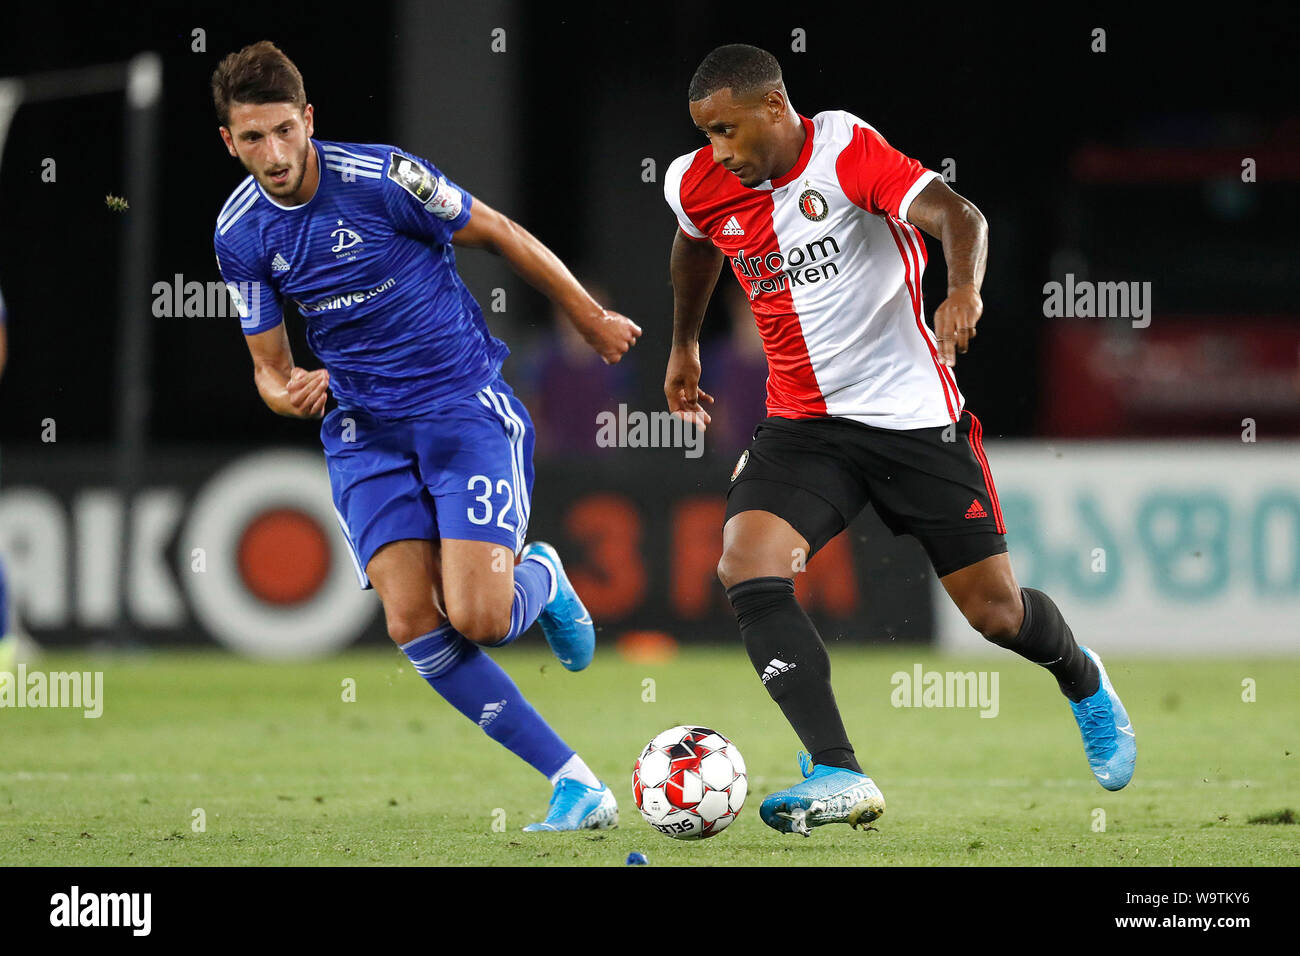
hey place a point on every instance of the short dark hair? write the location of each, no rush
(746, 69)
(259, 73)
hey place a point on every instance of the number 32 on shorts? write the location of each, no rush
(503, 513)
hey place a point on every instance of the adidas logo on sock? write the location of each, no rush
(775, 668)
(279, 263)
(491, 712)
(976, 510)
(733, 228)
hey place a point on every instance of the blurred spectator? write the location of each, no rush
(565, 385)
(734, 372)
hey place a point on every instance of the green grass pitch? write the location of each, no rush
(286, 772)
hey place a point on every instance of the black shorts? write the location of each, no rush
(819, 473)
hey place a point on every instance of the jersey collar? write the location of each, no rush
(801, 163)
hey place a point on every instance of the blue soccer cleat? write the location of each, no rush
(827, 795)
(565, 622)
(575, 806)
(1108, 737)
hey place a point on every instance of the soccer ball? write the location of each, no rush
(689, 783)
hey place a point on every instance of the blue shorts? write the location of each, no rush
(465, 472)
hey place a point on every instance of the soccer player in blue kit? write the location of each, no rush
(429, 451)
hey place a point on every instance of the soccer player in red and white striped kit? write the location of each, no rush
(818, 218)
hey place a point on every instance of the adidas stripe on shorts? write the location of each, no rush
(819, 473)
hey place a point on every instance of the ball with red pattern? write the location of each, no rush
(690, 782)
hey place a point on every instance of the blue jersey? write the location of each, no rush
(369, 264)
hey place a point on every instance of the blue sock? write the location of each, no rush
(476, 685)
(532, 591)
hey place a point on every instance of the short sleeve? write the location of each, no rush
(421, 201)
(673, 194)
(254, 298)
(878, 177)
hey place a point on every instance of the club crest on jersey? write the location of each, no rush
(344, 238)
(740, 464)
(812, 205)
(436, 195)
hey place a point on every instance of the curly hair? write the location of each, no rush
(745, 69)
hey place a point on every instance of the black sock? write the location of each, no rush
(1045, 639)
(789, 656)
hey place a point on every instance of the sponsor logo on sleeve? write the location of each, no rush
(436, 194)
(411, 176)
(447, 201)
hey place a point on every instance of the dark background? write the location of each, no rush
(1012, 98)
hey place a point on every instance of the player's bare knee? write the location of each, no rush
(997, 620)
(481, 625)
(404, 628)
(725, 571)
(733, 567)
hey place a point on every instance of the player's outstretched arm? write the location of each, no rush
(289, 391)
(694, 266)
(962, 229)
(606, 331)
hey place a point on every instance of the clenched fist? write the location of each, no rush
(308, 391)
(611, 336)
(954, 322)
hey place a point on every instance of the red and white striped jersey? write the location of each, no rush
(833, 272)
